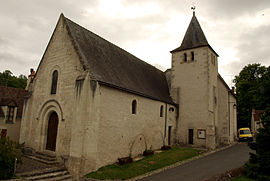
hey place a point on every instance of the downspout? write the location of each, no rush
(229, 110)
(165, 131)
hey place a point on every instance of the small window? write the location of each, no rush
(10, 114)
(134, 107)
(171, 109)
(192, 56)
(185, 57)
(161, 111)
(54, 82)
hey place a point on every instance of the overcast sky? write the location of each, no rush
(238, 30)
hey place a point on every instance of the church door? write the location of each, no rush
(190, 136)
(52, 132)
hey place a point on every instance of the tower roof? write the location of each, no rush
(194, 37)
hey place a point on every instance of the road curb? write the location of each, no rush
(168, 167)
(180, 163)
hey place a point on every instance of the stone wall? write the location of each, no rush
(122, 133)
(192, 85)
(59, 55)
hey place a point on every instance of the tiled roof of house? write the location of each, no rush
(257, 114)
(115, 67)
(12, 97)
(194, 37)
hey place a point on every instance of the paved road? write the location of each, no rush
(211, 165)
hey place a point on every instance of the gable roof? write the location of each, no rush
(115, 67)
(10, 96)
(194, 37)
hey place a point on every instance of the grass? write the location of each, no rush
(147, 164)
(242, 178)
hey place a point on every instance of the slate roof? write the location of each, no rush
(12, 97)
(115, 67)
(194, 37)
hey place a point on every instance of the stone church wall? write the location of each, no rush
(223, 114)
(60, 56)
(191, 80)
(122, 133)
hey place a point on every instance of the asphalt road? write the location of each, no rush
(211, 165)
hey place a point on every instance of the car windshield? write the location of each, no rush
(244, 132)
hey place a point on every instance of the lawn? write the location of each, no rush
(147, 164)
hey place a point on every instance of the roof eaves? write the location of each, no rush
(182, 49)
(135, 92)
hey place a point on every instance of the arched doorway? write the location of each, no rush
(52, 132)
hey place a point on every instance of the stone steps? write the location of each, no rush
(49, 174)
(56, 171)
(43, 158)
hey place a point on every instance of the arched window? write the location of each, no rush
(54, 82)
(161, 111)
(171, 109)
(134, 107)
(185, 57)
(192, 56)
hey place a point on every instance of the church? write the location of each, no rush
(91, 102)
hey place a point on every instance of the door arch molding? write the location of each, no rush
(45, 112)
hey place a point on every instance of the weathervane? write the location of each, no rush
(193, 8)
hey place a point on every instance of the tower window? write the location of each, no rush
(161, 111)
(54, 82)
(192, 56)
(185, 57)
(134, 107)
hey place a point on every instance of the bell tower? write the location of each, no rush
(194, 87)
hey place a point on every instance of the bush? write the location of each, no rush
(258, 166)
(9, 151)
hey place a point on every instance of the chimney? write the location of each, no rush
(30, 78)
(32, 73)
(233, 89)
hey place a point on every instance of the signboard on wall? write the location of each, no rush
(201, 133)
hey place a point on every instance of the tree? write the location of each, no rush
(9, 151)
(7, 79)
(252, 91)
(258, 166)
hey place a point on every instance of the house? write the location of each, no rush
(92, 102)
(11, 108)
(256, 121)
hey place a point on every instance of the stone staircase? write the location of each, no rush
(55, 171)
(43, 158)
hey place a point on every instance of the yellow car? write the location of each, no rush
(244, 134)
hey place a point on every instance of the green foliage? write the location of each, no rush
(252, 91)
(7, 79)
(242, 178)
(9, 150)
(258, 166)
(145, 165)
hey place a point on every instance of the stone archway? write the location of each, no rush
(52, 132)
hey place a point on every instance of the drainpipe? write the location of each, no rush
(229, 115)
(165, 131)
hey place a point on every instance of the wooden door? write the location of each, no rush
(52, 132)
(190, 136)
(169, 135)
